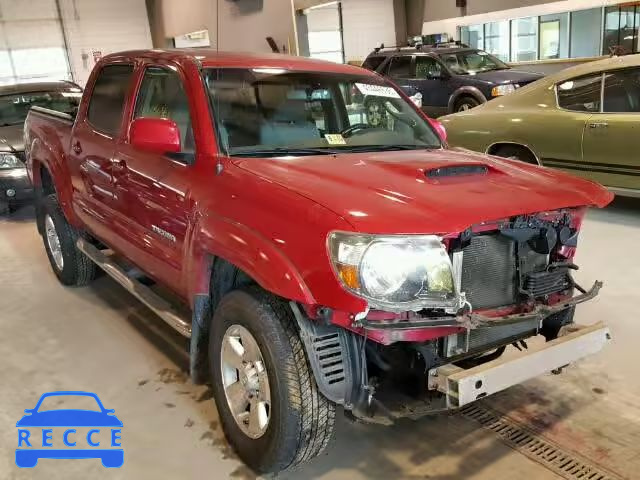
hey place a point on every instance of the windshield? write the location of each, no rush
(472, 62)
(67, 402)
(269, 112)
(14, 108)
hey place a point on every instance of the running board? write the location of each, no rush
(160, 306)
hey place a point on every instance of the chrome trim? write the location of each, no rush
(143, 293)
(55, 113)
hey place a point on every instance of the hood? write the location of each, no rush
(507, 76)
(11, 138)
(398, 192)
(69, 418)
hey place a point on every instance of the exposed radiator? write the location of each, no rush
(489, 271)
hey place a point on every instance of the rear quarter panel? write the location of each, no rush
(46, 141)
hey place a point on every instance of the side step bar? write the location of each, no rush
(160, 307)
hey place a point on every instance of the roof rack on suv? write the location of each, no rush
(419, 46)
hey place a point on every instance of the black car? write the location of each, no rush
(15, 102)
(446, 79)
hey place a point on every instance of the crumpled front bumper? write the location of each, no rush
(15, 186)
(463, 386)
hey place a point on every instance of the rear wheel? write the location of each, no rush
(465, 103)
(269, 405)
(516, 152)
(71, 266)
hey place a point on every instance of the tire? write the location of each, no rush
(465, 103)
(301, 420)
(76, 269)
(516, 152)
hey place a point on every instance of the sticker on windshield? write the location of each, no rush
(377, 90)
(335, 139)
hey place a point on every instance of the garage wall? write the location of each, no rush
(101, 27)
(31, 42)
(367, 24)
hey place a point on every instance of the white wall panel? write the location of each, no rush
(366, 24)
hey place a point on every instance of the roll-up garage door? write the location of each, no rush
(32, 45)
(325, 32)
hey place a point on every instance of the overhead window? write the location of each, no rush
(496, 40)
(580, 94)
(108, 97)
(583, 42)
(524, 39)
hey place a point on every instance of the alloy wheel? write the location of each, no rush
(53, 241)
(245, 381)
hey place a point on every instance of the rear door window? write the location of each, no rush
(622, 91)
(108, 98)
(580, 94)
(401, 67)
(372, 63)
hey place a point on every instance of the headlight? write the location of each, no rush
(9, 160)
(503, 90)
(395, 273)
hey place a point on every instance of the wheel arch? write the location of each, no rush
(493, 148)
(468, 91)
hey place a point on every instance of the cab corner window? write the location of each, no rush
(580, 94)
(108, 98)
(162, 95)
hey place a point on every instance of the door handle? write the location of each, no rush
(598, 125)
(76, 147)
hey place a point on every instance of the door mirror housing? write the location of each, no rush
(439, 128)
(157, 135)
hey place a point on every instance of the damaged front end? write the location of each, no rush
(493, 285)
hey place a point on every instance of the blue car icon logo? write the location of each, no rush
(66, 433)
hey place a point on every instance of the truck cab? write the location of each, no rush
(313, 258)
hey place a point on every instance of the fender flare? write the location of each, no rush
(467, 90)
(44, 156)
(218, 238)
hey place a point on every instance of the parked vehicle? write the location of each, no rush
(325, 261)
(583, 120)
(447, 78)
(15, 101)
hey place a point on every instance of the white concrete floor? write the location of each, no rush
(102, 340)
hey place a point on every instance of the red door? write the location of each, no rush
(154, 188)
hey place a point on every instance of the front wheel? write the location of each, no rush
(466, 103)
(269, 405)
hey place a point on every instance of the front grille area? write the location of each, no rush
(489, 271)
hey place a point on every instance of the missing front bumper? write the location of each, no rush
(465, 386)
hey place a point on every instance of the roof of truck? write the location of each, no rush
(212, 58)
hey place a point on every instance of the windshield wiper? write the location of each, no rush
(386, 148)
(281, 151)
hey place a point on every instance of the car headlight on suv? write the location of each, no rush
(503, 90)
(395, 272)
(9, 160)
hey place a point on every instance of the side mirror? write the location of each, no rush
(158, 135)
(439, 128)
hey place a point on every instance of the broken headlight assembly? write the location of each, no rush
(395, 272)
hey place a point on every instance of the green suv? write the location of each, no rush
(585, 120)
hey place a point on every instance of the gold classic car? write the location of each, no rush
(585, 120)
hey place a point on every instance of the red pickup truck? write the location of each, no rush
(324, 259)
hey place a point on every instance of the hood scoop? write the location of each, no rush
(457, 171)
